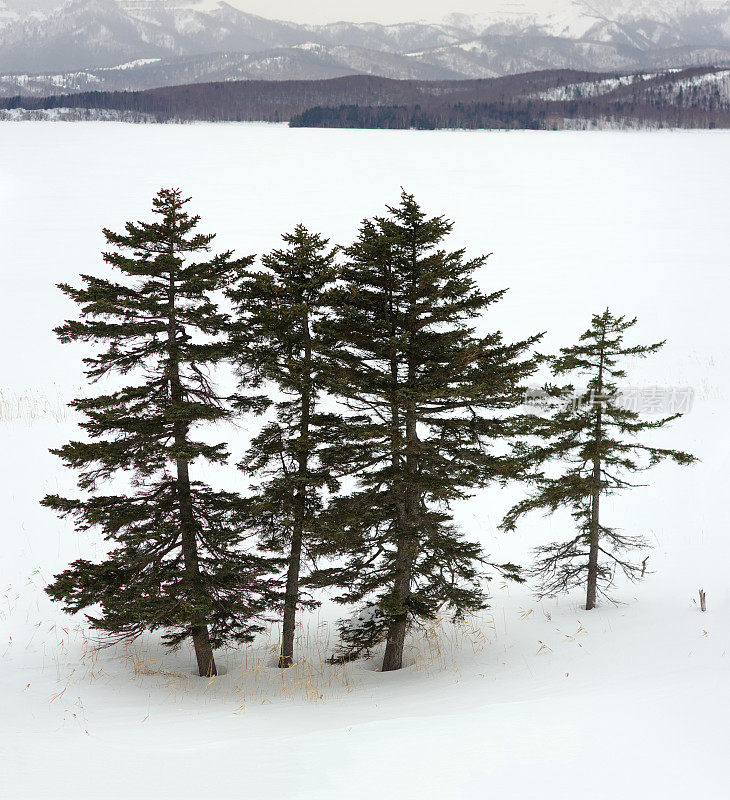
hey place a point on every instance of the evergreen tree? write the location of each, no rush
(177, 562)
(594, 436)
(426, 400)
(275, 335)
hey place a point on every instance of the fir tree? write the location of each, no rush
(594, 437)
(276, 336)
(426, 398)
(177, 562)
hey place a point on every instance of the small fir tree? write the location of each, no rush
(594, 437)
(177, 562)
(276, 339)
(427, 400)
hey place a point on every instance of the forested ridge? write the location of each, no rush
(695, 97)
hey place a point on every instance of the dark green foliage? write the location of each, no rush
(593, 438)
(276, 337)
(177, 562)
(427, 400)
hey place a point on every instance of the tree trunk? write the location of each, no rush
(405, 553)
(594, 535)
(199, 628)
(595, 529)
(204, 652)
(408, 510)
(393, 658)
(291, 598)
(291, 595)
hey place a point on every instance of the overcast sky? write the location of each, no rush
(385, 11)
(382, 10)
(317, 11)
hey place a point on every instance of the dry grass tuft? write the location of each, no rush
(31, 405)
(440, 646)
(249, 674)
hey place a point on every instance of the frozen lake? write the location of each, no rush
(632, 700)
(575, 220)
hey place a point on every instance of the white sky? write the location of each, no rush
(388, 11)
(317, 11)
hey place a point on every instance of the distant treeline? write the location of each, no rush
(696, 97)
(457, 115)
(517, 114)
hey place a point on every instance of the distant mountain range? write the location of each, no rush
(137, 44)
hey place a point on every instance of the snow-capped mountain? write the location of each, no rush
(210, 40)
(642, 22)
(7, 15)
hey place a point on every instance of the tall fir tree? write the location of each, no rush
(593, 439)
(427, 399)
(177, 563)
(275, 338)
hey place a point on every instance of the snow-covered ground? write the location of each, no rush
(533, 699)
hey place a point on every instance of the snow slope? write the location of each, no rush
(530, 700)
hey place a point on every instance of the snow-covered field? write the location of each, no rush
(532, 700)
